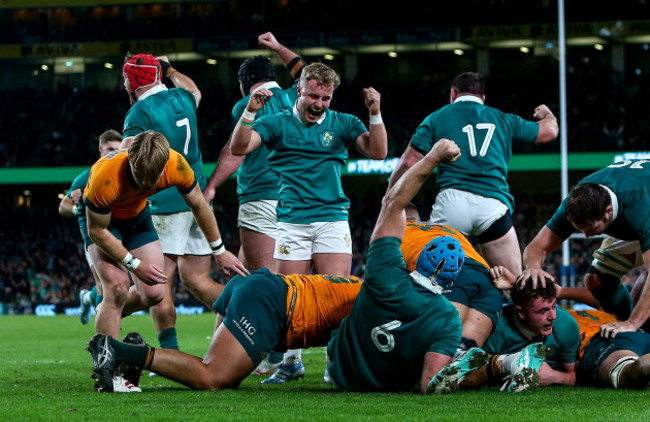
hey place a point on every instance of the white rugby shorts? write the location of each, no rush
(298, 242)
(180, 234)
(467, 212)
(259, 216)
(89, 260)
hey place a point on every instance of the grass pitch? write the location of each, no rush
(45, 375)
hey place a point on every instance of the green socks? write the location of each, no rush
(168, 339)
(140, 356)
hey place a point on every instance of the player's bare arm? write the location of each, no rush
(565, 376)
(548, 127)
(68, 204)
(227, 262)
(406, 161)
(544, 242)
(640, 313)
(226, 166)
(180, 80)
(392, 217)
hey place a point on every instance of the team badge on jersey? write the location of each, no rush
(326, 138)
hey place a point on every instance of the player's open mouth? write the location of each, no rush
(314, 114)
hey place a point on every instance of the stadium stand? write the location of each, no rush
(50, 121)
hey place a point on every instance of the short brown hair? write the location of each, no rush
(587, 203)
(148, 155)
(470, 83)
(322, 73)
(523, 291)
(109, 136)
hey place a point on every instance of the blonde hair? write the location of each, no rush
(322, 73)
(148, 155)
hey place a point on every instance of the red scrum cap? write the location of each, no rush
(141, 71)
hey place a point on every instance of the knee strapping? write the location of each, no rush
(615, 373)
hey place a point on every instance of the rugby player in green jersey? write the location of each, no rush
(172, 112)
(401, 330)
(614, 201)
(71, 205)
(534, 343)
(257, 184)
(610, 362)
(308, 147)
(474, 196)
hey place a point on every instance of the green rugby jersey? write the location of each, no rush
(171, 112)
(80, 182)
(394, 322)
(309, 161)
(255, 179)
(630, 182)
(484, 136)
(561, 345)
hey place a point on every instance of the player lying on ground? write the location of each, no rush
(256, 314)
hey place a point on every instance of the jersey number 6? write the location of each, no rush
(382, 337)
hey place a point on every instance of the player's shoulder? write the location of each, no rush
(138, 110)
(281, 115)
(175, 157)
(241, 104)
(81, 178)
(184, 95)
(565, 322)
(83, 174)
(334, 117)
(108, 167)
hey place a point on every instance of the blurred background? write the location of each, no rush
(61, 86)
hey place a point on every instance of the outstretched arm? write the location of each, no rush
(227, 165)
(544, 242)
(503, 279)
(293, 62)
(179, 79)
(392, 217)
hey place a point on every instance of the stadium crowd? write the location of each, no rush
(40, 268)
(196, 19)
(608, 119)
(41, 262)
(44, 262)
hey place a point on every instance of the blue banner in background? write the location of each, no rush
(73, 309)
